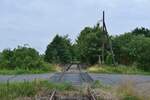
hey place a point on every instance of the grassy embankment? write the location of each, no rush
(116, 70)
(48, 69)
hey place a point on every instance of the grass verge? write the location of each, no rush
(116, 70)
(127, 90)
(51, 68)
(13, 91)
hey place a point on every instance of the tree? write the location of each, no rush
(59, 50)
(132, 49)
(141, 31)
(26, 58)
(140, 47)
(75, 52)
(89, 44)
(122, 48)
(6, 58)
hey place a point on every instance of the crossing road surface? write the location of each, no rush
(19, 78)
(111, 79)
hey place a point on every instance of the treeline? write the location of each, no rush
(132, 48)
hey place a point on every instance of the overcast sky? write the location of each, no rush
(36, 22)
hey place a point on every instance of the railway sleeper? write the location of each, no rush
(66, 96)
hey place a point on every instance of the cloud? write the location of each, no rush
(36, 22)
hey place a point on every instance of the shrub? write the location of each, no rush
(22, 58)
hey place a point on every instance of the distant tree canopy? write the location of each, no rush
(89, 44)
(21, 57)
(141, 31)
(59, 50)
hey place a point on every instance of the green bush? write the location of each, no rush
(22, 58)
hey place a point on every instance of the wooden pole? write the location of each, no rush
(103, 44)
(108, 38)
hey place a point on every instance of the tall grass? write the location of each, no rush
(128, 90)
(16, 71)
(118, 69)
(11, 91)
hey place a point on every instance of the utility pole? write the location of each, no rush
(106, 37)
(103, 44)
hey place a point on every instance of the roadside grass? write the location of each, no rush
(116, 69)
(48, 69)
(127, 90)
(12, 91)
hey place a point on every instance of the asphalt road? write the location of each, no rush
(20, 78)
(111, 79)
(119, 78)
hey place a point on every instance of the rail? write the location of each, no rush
(52, 95)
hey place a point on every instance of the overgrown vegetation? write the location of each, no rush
(12, 91)
(23, 60)
(127, 90)
(17, 71)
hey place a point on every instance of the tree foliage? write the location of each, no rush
(21, 57)
(141, 31)
(122, 48)
(132, 49)
(59, 50)
(89, 44)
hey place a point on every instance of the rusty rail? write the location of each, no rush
(52, 95)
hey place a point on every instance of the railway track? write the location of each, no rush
(78, 77)
(89, 96)
(75, 76)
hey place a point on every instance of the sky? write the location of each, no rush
(36, 22)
